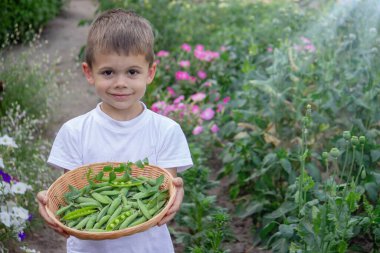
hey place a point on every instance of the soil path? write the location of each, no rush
(62, 40)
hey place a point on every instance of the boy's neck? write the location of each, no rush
(122, 115)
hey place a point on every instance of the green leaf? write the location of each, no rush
(286, 165)
(118, 169)
(375, 155)
(267, 229)
(112, 176)
(286, 231)
(342, 246)
(146, 161)
(252, 208)
(99, 176)
(107, 168)
(139, 164)
(281, 211)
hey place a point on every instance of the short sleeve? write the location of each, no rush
(65, 152)
(173, 150)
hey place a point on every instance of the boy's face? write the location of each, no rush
(120, 81)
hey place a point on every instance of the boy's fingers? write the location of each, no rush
(178, 182)
(41, 197)
(166, 219)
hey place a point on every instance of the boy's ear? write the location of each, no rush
(87, 73)
(151, 73)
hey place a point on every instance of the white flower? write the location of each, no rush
(20, 188)
(20, 212)
(5, 218)
(28, 250)
(8, 141)
(5, 188)
(2, 163)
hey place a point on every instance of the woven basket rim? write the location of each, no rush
(86, 235)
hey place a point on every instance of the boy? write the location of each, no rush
(120, 64)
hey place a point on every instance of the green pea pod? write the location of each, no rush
(125, 184)
(115, 203)
(150, 181)
(82, 223)
(138, 221)
(113, 224)
(126, 207)
(90, 204)
(79, 213)
(102, 213)
(143, 209)
(101, 198)
(72, 223)
(115, 214)
(155, 209)
(95, 230)
(85, 200)
(91, 222)
(142, 195)
(63, 209)
(103, 220)
(104, 188)
(109, 193)
(128, 220)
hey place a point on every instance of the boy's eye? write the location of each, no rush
(107, 72)
(132, 72)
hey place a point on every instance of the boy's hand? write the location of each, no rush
(178, 183)
(42, 200)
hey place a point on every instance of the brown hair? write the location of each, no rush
(120, 31)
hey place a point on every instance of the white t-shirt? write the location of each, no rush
(96, 137)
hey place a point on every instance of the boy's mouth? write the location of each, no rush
(120, 96)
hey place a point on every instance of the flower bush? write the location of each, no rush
(14, 218)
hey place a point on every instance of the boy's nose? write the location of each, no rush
(121, 82)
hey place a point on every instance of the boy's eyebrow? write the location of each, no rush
(129, 67)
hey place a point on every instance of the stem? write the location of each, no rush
(345, 161)
(361, 166)
(352, 163)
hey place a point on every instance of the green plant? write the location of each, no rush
(19, 21)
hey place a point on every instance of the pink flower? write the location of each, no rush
(207, 114)
(214, 128)
(178, 99)
(195, 109)
(163, 53)
(305, 40)
(310, 48)
(226, 100)
(158, 106)
(199, 47)
(207, 84)
(192, 79)
(270, 49)
(184, 64)
(198, 96)
(220, 107)
(186, 47)
(202, 74)
(223, 48)
(182, 75)
(171, 91)
(197, 130)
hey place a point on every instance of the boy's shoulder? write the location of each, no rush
(161, 118)
(78, 121)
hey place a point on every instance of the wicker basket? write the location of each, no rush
(77, 178)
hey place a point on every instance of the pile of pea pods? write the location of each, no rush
(116, 205)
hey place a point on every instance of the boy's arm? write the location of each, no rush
(42, 200)
(178, 183)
